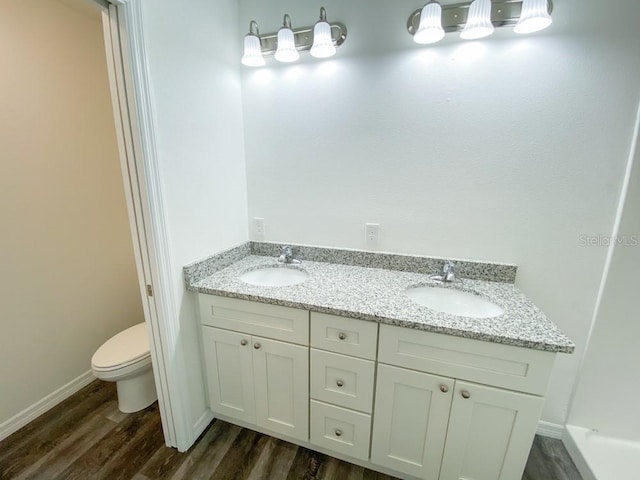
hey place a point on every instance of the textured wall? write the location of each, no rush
(507, 149)
(607, 393)
(67, 271)
(192, 60)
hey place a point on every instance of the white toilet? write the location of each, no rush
(125, 359)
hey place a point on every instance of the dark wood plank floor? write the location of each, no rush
(86, 437)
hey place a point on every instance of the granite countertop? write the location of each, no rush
(377, 294)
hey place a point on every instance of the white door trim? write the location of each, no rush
(128, 78)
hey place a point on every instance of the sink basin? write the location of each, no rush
(454, 302)
(274, 276)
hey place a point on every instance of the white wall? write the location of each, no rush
(608, 389)
(67, 271)
(193, 53)
(507, 149)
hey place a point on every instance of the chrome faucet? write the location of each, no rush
(448, 273)
(287, 255)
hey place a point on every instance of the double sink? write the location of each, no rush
(440, 297)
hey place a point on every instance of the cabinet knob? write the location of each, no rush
(444, 388)
(340, 383)
(256, 346)
(338, 432)
(465, 394)
(243, 342)
(342, 336)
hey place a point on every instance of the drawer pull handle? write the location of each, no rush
(338, 432)
(340, 383)
(465, 394)
(342, 336)
(444, 388)
(257, 346)
(243, 342)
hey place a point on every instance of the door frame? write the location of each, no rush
(134, 122)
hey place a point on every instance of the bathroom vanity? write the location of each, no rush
(345, 363)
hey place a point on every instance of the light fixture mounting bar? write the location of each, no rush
(504, 13)
(303, 37)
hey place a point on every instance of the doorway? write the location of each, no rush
(68, 268)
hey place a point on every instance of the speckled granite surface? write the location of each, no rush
(495, 272)
(377, 294)
(196, 271)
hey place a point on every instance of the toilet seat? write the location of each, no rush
(122, 372)
(129, 348)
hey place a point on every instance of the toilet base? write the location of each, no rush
(136, 393)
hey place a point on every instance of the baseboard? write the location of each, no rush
(548, 429)
(29, 414)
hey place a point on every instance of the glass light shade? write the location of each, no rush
(534, 17)
(430, 29)
(286, 51)
(252, 56)
(478, 21)
(323, 46)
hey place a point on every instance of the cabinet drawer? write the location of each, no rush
(515, 368)
(344, 335)
(341, 430)
(342, 380)
(271, 321)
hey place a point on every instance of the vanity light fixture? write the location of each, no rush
(534, 17)
(252, 49)
(286, 51)
(430, 29)
(478, 18)
(478, 23)
(321, 40)
(323, 46)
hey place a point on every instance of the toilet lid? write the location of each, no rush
(126, 347)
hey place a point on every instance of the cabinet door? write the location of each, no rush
(410, 421)
(281, 381)
(490, 433)
(229, 373)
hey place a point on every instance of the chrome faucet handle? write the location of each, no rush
(287, 254)
(448, 271)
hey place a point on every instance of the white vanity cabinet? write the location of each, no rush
(252, 378)
(445, 407)
(440, 425)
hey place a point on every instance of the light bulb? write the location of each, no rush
(286, 51)
(323, 46)
(478, 21)
(252, 52)
(534, 17)
(430, 29)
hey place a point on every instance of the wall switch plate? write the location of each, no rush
(258, 229)
(372, 234)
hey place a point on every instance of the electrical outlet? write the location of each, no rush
(372, 234)
(258, 229)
